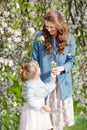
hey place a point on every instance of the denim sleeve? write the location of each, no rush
(35, 49)
(71, 56)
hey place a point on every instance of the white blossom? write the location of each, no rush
(41, 39)
(31, 30)
(4, 24)
(17, 33)
(17, 5)
(10, 63)
(11, 46)
(3, 112)
(1, 30)
(14, 104)
(10, 30)
(6, 13)
(24, 53)
(9, 39)
(17, 39)
(4, 61)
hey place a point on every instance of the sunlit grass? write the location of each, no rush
(81, 124)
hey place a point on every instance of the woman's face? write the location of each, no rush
(51, 28)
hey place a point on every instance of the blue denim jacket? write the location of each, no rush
(66, 60)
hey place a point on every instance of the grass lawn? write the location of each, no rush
(81, 124)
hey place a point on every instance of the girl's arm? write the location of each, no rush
(46, 88)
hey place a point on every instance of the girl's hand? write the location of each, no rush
(46, 108)
(53, 77)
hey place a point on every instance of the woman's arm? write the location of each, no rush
(35, 49)
(69, 59)
(71, 55)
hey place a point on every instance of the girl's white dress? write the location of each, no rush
(33, 117)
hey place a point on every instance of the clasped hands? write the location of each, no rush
(57, 70)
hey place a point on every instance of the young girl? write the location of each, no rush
(35, 115)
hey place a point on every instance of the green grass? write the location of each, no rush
(81, 124)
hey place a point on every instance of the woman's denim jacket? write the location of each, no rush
(66, 60)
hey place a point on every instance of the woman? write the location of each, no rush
(55, 44)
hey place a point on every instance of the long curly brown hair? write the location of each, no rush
(55, 17)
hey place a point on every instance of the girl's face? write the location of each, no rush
(51, 28)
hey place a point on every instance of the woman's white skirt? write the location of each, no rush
(62, 110)
(32, 119)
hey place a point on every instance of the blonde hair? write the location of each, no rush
(29, 70)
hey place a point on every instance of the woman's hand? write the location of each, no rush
(57, 70)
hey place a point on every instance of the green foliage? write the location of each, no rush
(81, 124)
(10, 120)
(11, 103)
(15, 89)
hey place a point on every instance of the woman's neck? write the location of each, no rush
(54, 36)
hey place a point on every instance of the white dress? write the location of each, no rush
(33, 117)
(62, 110)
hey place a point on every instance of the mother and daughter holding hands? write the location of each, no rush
(46, 79)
